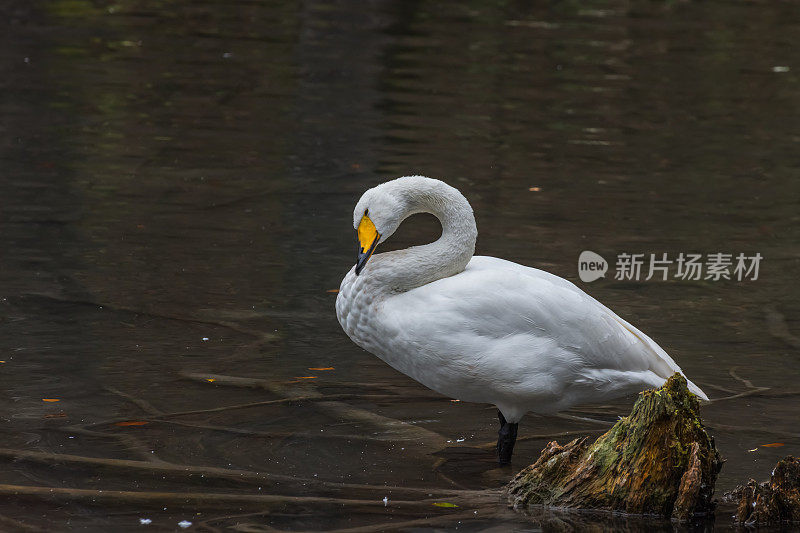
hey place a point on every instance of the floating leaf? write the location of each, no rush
(445, 504)
(534, 189)
(773, 445)
(753, 450)
(455, 401)
(211, 380)
(305, 377)
(2, 361)
(332, 291)
(321, 368)
(56, 415)
(50, 400)
(132, 423)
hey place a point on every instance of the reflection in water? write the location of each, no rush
(560, 520)
(176, 190)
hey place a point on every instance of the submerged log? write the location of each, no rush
(771, 502)
(659, 461)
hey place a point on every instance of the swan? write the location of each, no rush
(483, 329)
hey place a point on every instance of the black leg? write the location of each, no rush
(506, 438)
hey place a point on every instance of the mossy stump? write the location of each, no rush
(657, 461)
(772, 502)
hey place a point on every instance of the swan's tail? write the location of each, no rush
(697, 391)
(662, 364)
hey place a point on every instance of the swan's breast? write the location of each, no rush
(357, 307)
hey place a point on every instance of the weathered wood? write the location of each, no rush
(659, 460)
(771, 502)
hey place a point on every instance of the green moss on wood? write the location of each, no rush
(659, 460)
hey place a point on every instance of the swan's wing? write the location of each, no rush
(527, 326)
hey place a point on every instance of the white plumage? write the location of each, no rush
(482, 329)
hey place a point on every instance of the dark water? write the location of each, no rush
(178, 171)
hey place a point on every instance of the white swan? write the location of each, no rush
(482, 329)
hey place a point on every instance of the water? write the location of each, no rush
(181, 171)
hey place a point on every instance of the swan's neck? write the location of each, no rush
(413, 267)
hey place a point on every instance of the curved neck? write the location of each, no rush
(403, 270)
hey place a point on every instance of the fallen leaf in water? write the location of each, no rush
(305, 377)
(50, 400)
(56, 415)
(445, 504)
(454, 401)
(132, 423)
(211, 380)
(753, 450)
(2, 361)
(332, 291)
(773, 445)
(534, 189)
(321, 368)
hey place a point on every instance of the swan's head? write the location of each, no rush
(376, 217)
(381, 209)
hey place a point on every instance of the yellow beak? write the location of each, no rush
(368, 238)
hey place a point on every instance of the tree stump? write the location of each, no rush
(771, 502)
(657, 461)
